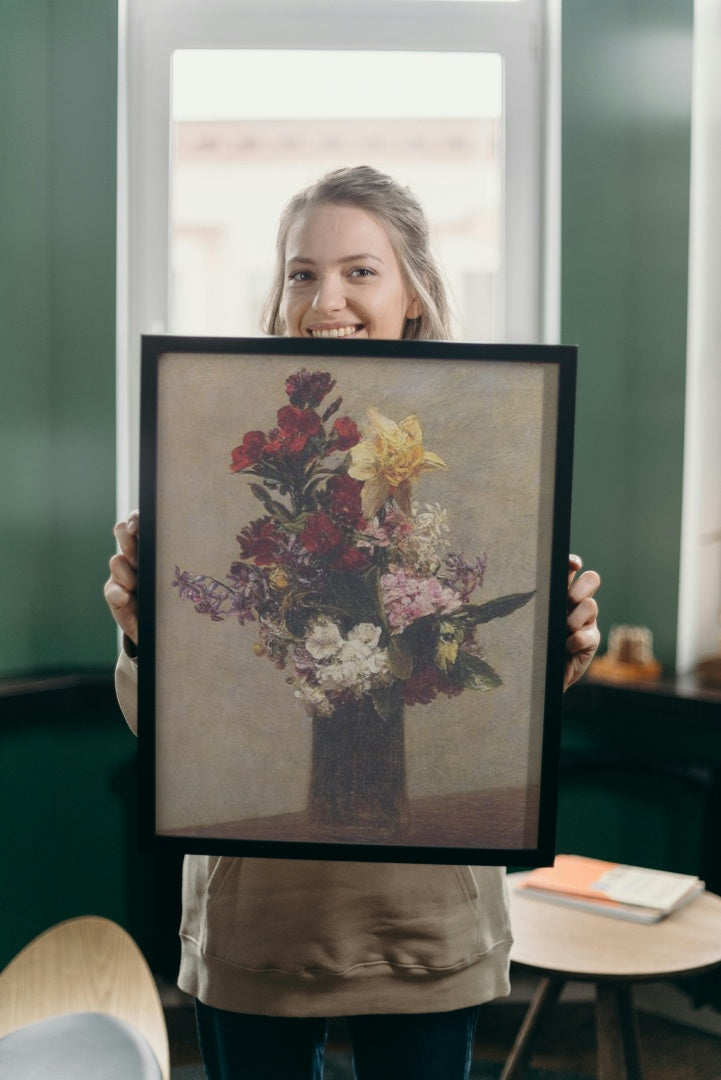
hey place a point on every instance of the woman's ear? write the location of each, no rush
(415, 309)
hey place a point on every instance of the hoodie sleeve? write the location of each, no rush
(126, 688)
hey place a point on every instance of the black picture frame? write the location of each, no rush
(235, 757)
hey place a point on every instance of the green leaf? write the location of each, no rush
(274, 508)
(352, 593)
(386, 701)
(400, 658)
(496, 609)
(476, 674)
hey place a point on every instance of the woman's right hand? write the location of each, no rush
(121, 587)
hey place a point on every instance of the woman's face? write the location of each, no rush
(342, 277)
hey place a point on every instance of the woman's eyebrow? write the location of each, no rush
(361, 257)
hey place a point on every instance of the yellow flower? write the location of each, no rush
(278, 578)
(388, 461)
(448, 644)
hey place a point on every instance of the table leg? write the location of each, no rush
(617, 1033)
(545, 997)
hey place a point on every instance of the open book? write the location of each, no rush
(608, 888)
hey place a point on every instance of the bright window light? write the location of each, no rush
(238, 155)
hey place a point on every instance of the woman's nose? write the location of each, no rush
(329, 296)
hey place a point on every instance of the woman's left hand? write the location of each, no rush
(583, 637)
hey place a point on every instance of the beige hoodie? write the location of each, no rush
(284, 937)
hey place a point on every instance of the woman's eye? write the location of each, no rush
(300, 276)
(362, 272)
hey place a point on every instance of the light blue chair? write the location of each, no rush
(80, 1003)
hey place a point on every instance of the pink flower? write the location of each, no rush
(407, 598)
(395, 528)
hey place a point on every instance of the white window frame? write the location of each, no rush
(699, 597)
(526, 34)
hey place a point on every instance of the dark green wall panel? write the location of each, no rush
(58, 76)
(626, 145)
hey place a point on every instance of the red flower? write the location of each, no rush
(249, 452)
(346, 434)
(297, 426)
(345, 499)
(425, 683)
(260, 541)
(321, 535)
(306, 389)
(350, 559)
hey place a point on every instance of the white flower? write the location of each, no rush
(431, 522)
(324, 639)
(365, 635)
(337, 676)
(314, 700)
(377, 663)
(420, 550)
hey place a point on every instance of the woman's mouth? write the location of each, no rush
(335, 331)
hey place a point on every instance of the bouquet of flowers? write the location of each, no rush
(351, 580)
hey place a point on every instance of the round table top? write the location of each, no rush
(559, 940)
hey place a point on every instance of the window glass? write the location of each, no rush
(251, 127)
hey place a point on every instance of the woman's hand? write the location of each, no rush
(583, 636)
(121, 587)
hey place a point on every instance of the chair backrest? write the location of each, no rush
(88, 964)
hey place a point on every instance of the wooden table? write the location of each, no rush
(563, 944)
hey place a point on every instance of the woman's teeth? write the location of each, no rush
(337, 331)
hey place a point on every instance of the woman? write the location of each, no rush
(271, 948)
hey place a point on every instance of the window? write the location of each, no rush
(322, 110)
(231, 104)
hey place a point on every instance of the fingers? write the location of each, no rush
(583, 587)
(584, 641)
(575, 563)
(583, 636)
(126, 534)
(583, 613)
(121, 587)
(123, 607)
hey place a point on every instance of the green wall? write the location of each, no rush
(626, 136)
(58, 71)
(626, 145)
(626, 125)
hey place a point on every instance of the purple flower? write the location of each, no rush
(208, 596)
(465, 577)
(242, 598)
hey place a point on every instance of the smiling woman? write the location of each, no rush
(353, 259)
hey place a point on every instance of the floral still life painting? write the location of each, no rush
(344, 584)
(357, 594)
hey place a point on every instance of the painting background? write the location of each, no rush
(232, 740)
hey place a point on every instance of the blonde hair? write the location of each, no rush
(403, 217)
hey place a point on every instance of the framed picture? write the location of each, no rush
(352, 597)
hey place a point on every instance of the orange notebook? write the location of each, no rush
(631, 892)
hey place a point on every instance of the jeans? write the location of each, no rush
(413, 1046)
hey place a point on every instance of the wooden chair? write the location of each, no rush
(90, 972)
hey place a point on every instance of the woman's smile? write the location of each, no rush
(335, 331)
